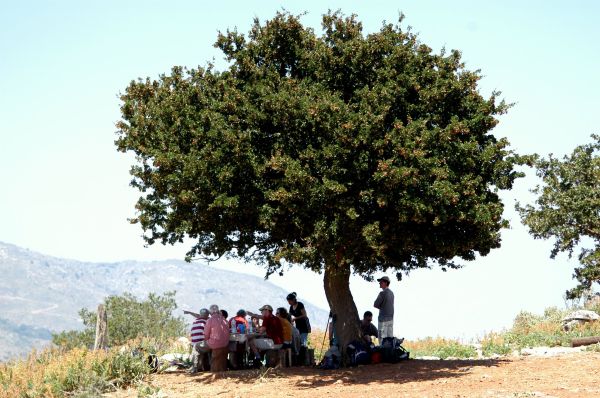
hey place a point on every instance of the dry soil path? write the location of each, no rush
(571, 375)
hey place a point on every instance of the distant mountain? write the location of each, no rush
(41, 294)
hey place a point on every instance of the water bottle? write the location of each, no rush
(233, 329)
(250, 327)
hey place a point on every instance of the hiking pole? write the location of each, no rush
(325, 335)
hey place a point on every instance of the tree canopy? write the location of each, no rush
(567, 209)
(340, 152)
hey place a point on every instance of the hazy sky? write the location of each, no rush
(64, 187)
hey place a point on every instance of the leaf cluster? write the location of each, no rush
(344, 148)
(567, 209)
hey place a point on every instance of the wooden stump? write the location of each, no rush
(101, 329)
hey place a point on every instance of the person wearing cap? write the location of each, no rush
(197, 331)
(385, 304)
(197, 337)
(271, 326)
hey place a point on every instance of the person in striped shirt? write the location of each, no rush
(197, 338)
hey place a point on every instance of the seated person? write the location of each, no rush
(271, 326)
(286, 327)
(367, 328)
(241, 324)
(199, 360)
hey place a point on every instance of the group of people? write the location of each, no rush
(211, 330)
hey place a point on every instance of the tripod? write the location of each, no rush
(331, 320)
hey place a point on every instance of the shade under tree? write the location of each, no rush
(343, 153)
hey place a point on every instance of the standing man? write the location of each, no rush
(385, 304)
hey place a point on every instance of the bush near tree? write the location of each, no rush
(343, 153)
(128, 318)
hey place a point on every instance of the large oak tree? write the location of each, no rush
(341, 152)
(567, 209)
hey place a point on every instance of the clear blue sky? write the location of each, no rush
(64, 187)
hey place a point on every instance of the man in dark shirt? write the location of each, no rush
(367, 328)
(385, 304)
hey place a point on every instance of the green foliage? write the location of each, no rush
(69, 339)
(495, 344)
(441, 348)
(128, 318)
(530, 330)
(593, 347)
(76, 373)
(455, 350)
(148, 391)
(362, 150)
(567, 209)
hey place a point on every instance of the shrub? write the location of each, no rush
(78, 372)
(440, 347)
(494, 343)
(128, 318)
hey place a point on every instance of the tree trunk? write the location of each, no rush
(337, 289)
(585, 341)
(101, 329)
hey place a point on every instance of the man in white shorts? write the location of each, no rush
(385, 304)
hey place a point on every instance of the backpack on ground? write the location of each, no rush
(358, 354)
(392, 350)
(332, 359)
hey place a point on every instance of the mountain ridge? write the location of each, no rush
(42, 294)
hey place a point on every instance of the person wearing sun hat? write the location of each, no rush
(385, 304)
(271, 326)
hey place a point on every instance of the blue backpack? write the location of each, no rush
(358, 354)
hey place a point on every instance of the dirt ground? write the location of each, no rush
(570, 375)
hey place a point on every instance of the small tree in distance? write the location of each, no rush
(568, 209)
(128, 318)
(341, 153)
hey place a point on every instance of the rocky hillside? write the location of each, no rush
(41, 294)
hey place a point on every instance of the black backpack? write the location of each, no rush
(392, 350)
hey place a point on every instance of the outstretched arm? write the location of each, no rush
(253, 315)
(195, 315)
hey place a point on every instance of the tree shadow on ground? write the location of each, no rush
(311, 377)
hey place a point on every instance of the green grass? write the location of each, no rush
(528, 330)
(440, 347)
